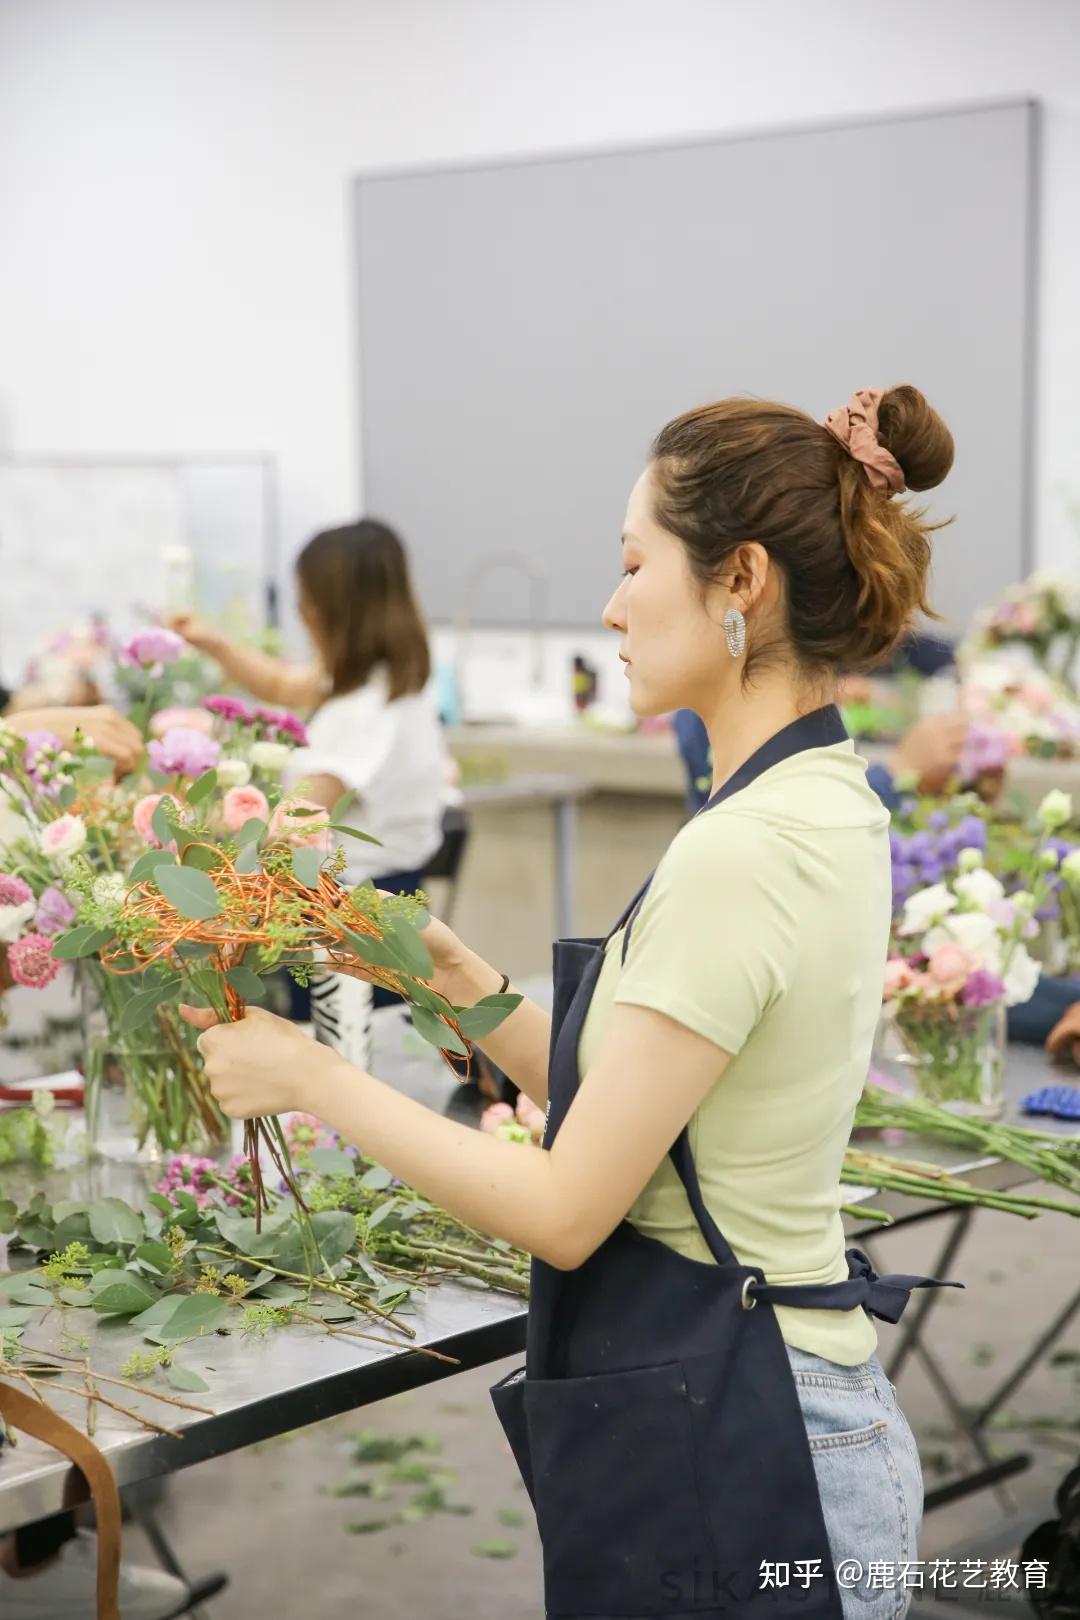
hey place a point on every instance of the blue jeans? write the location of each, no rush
(869, 1479)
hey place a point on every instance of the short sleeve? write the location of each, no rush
(349, 737)
(713, 944)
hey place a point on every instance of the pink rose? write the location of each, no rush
(191, 719)
(242, 804)
(899, 975)
(495, 1115)
(313, 830)
(950, 967)
(143, 816)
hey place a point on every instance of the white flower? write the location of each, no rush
(12, 919)
(13, 826)
(1020, 977)
(234, 772)
(1048, 859)
(1023, 900)
(270, 756)
(979, 888)
(1070, 867)
(1056, 809)
(63, 838)
(924, 907)
(975, 931)
(109, 891)
(969, 859)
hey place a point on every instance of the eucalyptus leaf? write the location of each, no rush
(163, 821)
(404, 940)
(69, 1206)
(8, 1211)
(341, 806)
(72, 1229)
(79, 942)
(123, 1298)
(202, 787)
(78, 1298)
(335, 1234)
(280, 1291)
(198, 1313)
(202, 857)
(376, 1178)
(183, 1378)
(478, 1021)
(30, 1293)
(330, 1162)
(247, 984)
(157, 1256)
(16, 1316)
(67, 795)
(157, 1313)
(113, 1221)
(354, 832)
(307, 864)
(190, 892)
(142, 1006)
(248, 859)
(439, 1034)
(194, 950)
(34, 1232)
(372, 951)
(146, 865)
(252, 832)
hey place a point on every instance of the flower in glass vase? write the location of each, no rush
(959, 959)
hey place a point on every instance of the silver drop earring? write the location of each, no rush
(735, 631)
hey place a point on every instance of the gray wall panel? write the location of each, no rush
(526, 327)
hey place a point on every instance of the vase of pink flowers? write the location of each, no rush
(959, 960)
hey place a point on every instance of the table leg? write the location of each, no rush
(565, 866)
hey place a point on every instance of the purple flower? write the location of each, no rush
(982, 989)
(932, 871)
(985, 749)
(228, 708)
(920, 847)
(1048, 912)
(938, 820)
(55, 913)
(971, 832)
(152, 648)
(184, 752)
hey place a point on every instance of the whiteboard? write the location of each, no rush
(526, 328)
(82, 537)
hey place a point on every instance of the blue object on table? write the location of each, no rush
(1063, 1102)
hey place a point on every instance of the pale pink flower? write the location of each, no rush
(242, 804)
(298, 830)
(494, 1115)
(143, 817)
(190, 719)
(63, 837)
(899, 975)
(950, 967)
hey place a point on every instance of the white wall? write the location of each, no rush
(174, 184)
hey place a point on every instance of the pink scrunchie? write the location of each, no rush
(855, 425)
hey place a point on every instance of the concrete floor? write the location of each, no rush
(266, 1516)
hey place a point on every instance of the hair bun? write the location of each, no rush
(911, 429)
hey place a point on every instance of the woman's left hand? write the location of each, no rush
(260, 1065)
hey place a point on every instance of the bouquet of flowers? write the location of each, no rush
(959, 958)
(1041, 614)
(1015, 711)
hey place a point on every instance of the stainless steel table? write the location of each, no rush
(260, 1388)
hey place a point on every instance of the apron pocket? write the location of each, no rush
(616, 1492)
(508, 1398)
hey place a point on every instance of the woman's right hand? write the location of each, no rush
(195, 631)
(450, 959)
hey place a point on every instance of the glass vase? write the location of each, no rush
(955, 1056)
(147, 1096)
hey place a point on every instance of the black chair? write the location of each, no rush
(445, 864)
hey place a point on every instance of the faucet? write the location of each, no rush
(537, 577)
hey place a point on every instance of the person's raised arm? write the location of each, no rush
(294, 686)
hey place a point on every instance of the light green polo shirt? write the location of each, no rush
(765, 929)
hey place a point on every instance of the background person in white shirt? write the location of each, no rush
(375, 731)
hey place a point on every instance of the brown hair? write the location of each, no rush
(853, 561)
(357, 581)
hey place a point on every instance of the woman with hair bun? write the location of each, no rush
(702, 1421)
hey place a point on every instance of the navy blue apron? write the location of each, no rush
(656, 1421)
